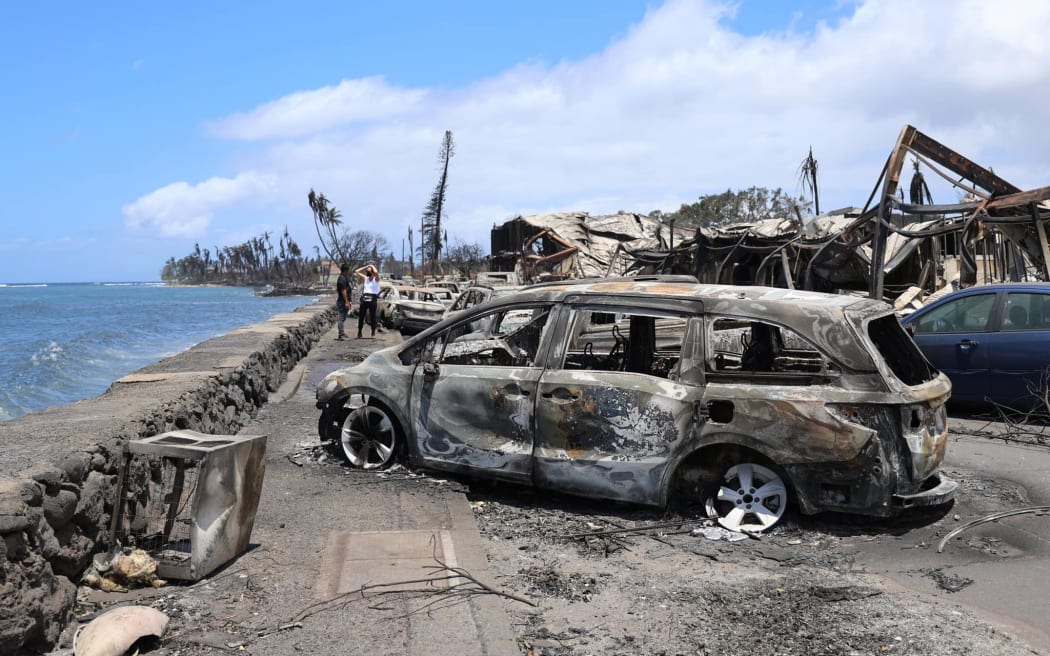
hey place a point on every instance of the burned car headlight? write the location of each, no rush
(328, 388)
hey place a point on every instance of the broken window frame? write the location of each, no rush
(684, 371)
(434, 350)
(900, 353)
(829, 371)
(622, 333)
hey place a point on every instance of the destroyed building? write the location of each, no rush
(891, 246)
(564, 245)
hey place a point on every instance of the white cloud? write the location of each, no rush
(678, 107)
(183, 210)
(15, 244)
(306, 112)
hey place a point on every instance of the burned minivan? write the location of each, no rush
(659, 390)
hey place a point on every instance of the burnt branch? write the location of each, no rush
(444, 587)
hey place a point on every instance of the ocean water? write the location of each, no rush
(60, 343)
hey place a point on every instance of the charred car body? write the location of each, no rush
(410, 309)
(651, 391)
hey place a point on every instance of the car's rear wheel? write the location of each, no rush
(749, 497)
(369, 437)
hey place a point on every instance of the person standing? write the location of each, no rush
(342, 289)
(369, 297)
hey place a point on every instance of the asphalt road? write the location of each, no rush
(1008, 560)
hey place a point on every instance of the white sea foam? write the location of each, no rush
(49, 353)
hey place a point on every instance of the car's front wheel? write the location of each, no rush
(330, 422)
(750, 497)
(369, 437)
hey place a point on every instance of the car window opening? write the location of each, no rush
(905, 360)
(627, 342)
(740, 346)
(508, 338)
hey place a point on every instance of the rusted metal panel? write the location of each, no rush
(471, 417)
(205, 515)
(609, 434)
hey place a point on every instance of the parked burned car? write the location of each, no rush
(443, 295)
(657, 391)
(476, 295)
(409, 309)
(992, 341)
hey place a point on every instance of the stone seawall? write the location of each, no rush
(59, 467)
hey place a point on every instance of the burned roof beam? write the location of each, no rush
(891, 181)
(1020, 198)
(913, 141)
(1044, 248)
(920, 143)
(955, 208)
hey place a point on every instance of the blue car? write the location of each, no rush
(992, 341)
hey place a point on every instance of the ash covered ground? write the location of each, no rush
(686, 587)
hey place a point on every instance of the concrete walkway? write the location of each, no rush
(323, 530)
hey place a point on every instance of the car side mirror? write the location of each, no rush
(431, 370)
(911, 328)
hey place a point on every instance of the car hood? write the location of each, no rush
(381, 371)
(421, 306)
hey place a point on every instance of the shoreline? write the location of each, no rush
(59, 474)
(70, 343)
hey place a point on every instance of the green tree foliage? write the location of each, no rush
(326, 220)
(747, 206)
(255, 262)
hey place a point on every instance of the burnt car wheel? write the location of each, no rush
(369, 437)
(330, 423)
(751, 497)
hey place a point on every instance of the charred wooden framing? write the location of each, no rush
(889, 245)
(882, 249)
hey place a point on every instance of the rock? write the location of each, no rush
(114, 632)
(75, 466)
(60, 507)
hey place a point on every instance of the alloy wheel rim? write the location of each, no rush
(368, 438)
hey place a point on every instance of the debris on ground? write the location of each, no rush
(945, 581)
(114, 632)
(548, 581)
(715, 533)
(994, 517)
(121, 570)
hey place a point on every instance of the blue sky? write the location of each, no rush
(133, 130)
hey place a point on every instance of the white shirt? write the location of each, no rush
(371, 287)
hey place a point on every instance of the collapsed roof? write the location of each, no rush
(881, 249)
(563, 245)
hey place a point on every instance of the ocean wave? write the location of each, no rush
(71, 341)
(50, 353)
(131, 284)
(23, 286)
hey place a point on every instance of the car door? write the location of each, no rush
(1019, 351)
(387, 296)
(614, 408)
(954, 335)
(473, 397)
